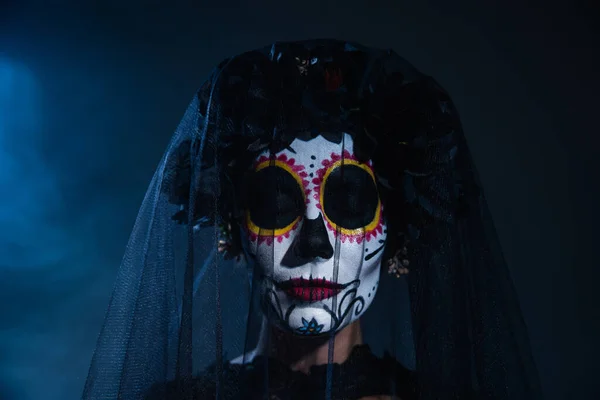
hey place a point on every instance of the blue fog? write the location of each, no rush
(46, 272)
(89, 97)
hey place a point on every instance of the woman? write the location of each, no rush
(303, 182)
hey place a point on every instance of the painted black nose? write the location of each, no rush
(311, 242)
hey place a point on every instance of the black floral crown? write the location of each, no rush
(401, 120)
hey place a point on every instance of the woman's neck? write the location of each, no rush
(301, 353)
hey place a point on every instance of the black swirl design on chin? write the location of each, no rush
(338, 318)
(275, 307)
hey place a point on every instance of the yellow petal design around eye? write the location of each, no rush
(297, 172)
(371, 226)
(257, 230)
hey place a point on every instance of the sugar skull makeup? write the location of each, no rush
(315, 229)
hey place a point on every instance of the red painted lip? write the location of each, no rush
(310, 290)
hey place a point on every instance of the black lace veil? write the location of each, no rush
(186, 303)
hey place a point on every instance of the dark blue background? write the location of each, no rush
(89, 96)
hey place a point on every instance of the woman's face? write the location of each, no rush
(316, 232)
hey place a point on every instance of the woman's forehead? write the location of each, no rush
(317, 148)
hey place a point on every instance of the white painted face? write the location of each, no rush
(316, 231)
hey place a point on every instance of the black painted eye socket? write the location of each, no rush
(275, 198)
(350, 197)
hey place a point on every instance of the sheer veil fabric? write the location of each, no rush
(297, 175)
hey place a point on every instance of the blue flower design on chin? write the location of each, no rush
(310, 328)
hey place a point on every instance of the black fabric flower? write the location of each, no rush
(266, 99)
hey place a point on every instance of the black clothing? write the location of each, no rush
(362, 374)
